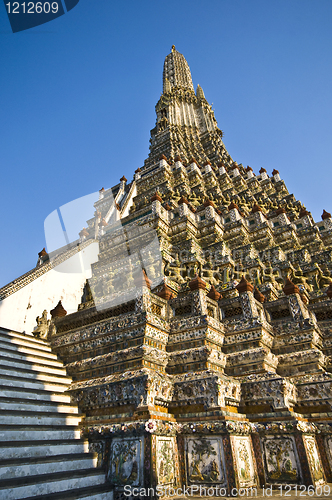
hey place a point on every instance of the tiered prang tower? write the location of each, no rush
(221, 374)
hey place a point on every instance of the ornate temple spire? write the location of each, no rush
(185, 124)
(176, 72)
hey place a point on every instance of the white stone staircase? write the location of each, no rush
(41, 453)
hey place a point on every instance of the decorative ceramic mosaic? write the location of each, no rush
(314, 460)
(244, 462)
(166, 458)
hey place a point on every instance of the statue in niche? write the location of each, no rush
(268, 277)
(130, 277)
(286, 269)
(208, 274)
(87, 293)
(255, 275)
(298, 278)
(193, 269)
(173, 271)
(132, 208)
(225, 274)
(41, 332)
(175, 196)
(324, 276)
(151, 265)
(194, 200)
(162, 124)
(313, 276)
(278, 277)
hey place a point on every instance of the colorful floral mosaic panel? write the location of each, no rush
(316, 468)
(166, 460)
(244, 464)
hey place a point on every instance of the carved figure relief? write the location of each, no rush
(43, 324)
(98, 448)
(280, 459)
(204, 461)
(125, 462)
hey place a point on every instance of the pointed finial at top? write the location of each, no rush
(199, 92)
(173, 48)
(244, 286)
(326, 215)
(59, 311)
(43, 253)
(289, 287)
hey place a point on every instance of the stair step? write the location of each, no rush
(21, 382)
(28, 374)
(8, 354)
(41, 452)
(10, 469)
(17, 417)
(49, 458)
(19, 393)
(11, 489)
(99, 492)
(31, 432)
(37, 448)
(26, 405)
(22, 336)
(24, 342)
(27, 365)
(27, 350)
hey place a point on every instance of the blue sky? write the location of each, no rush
(78, 95)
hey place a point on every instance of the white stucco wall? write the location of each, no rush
(19, 311)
